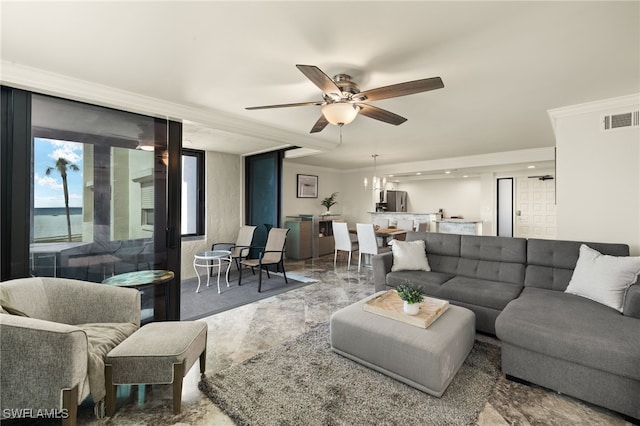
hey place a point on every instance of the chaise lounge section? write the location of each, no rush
(569, 343)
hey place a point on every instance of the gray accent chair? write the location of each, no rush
(46, 354)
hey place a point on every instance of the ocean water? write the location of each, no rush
(50, 223)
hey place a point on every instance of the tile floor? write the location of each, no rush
(240, 333)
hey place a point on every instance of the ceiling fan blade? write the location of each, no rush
(320, 79)
(380, 114)
(287, 105)
(320, 125)
(401, 89)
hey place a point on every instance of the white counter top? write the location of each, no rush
(407, 213)
(445, 220)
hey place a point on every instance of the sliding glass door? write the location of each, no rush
(99, 195)
(263, 196)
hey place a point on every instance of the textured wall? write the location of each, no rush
(223, 183)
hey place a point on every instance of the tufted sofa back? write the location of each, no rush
(483, 257)
(550, 263)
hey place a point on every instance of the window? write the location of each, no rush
(92, 229)
(192, 192)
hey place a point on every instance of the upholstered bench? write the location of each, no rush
(158, 353)
(426, 359)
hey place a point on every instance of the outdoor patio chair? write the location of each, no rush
(239, 249)
(271, 254)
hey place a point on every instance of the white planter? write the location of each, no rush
(411, 308)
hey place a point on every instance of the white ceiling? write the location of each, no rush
(504, 64)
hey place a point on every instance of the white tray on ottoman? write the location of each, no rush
(426, 359)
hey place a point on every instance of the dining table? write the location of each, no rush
(385, 233)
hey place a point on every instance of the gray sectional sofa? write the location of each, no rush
(515, 287)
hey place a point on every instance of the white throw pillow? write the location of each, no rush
(603, 278)
(409, 256)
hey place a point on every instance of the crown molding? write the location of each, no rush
(469, 161)
(48, 83)
(627, 101)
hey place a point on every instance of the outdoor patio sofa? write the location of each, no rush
(516, 287)
(54, 336)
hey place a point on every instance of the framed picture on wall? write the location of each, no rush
(307, 186)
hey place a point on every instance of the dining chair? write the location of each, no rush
(381, 223)
(367, 242)
(343, 241)
(271, 254)
(423, 226)
(405, 224)
(239, 249)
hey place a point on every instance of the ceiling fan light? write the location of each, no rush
(340, 113)
(145, 145)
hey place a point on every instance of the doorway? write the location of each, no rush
(505, 208)
(535, 212)
(263, 181)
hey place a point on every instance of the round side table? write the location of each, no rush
(205, 260)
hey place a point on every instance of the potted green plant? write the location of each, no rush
(329, 201)
(412, 296)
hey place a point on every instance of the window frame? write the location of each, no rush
(200, 190)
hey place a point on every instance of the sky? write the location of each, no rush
(47, 190)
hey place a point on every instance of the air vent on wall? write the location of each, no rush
(620, 121)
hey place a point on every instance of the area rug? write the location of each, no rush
(208, 302)
(302, 382)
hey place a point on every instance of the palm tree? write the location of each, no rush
(62, 164)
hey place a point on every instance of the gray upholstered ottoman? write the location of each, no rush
(426, 359)
(158, 353)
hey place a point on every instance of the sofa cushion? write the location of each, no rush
(493, 258)
(574, 329)
(443, 250)
(429, 282)
(473, 291)
(550, 263)
(602, 278)
(409, 256)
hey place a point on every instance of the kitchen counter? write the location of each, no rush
(428, 218)
(459, 226)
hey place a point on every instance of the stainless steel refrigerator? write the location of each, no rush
(396, 201)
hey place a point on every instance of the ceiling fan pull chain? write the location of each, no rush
(340, 125)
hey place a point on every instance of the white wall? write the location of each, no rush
(458, 197)
(223, 183)
(598, 174)
(329, 181)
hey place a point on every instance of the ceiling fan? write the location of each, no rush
(543, 178)
(343, 100)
